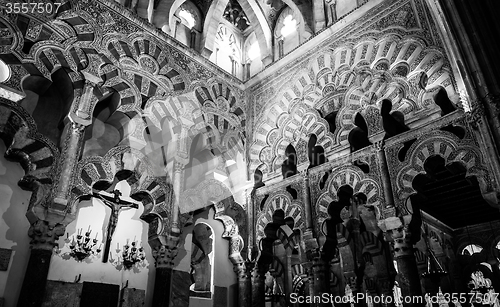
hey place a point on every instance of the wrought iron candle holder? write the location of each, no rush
(132, 254)
(84, 246)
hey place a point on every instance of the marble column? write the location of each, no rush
(177, 187)
(164, 256)
(258, 286)
(44, 238)
(320, 281)
(71, 146)
(408, 278)
(384, 170)
(243, 284)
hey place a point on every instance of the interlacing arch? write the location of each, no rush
(293, 127)
(280, 201)
(357, 180)
(219, 95)
(212, 191)
(145, 64)
(124, 163)
(451, 149)
(355, 78)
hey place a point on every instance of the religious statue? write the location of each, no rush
(116, 203)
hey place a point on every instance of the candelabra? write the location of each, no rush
(83, 246)
(132, 254)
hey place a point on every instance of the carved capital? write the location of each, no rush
(351, 280)
(476, 114)
(240, 270)
(164, 255)
(178, 167)
(378, 146)
(398, 234)
(44, 235)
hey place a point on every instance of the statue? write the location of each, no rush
(116, 203)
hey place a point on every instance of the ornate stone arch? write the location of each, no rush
(36, 154)
(358, 75)
(281, 200)
(220, 95)
(155, 192)
(358, 181)
(448, 147)
(214, 191)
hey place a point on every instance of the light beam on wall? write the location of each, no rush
(289, 26)
(4, 71)
(254, 51)
(188, 18)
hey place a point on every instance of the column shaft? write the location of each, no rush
(162, 288)
(258, 287)
(73, 137)
(408, 277)
(44, 237)
(35, 278)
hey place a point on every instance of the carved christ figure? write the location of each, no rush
(116, 203)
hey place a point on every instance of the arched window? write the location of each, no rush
(4, 71)
(227, 52)
(471, 249)
(187, 25)
(253, 63)
(202, 260)
(286, 32)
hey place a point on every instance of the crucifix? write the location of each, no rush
(116, 203)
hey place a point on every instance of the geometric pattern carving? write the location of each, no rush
(352, 79)
(154, 192)
(358, 181)
(280, 201)
(449, 148)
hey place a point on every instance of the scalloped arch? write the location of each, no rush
(357, 180)
(448, 148)
(280, 201)
(342, 70)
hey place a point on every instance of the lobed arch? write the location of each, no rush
(218, 94)
(336, 72)
(366, 100)
(451, 150)
(281, 200)
(123, 163)
(359, 182)
(144, 53)
(27, 36)
(295, 132)
(113, 78)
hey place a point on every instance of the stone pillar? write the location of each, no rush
(386, 288)
(399, 235)
(164, 259)
(258, 286)
(44, 238)
(243, 284)
(384, 171)
(177, 187)
(70, 153)
(319, 279)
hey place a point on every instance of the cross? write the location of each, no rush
(116, 203)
